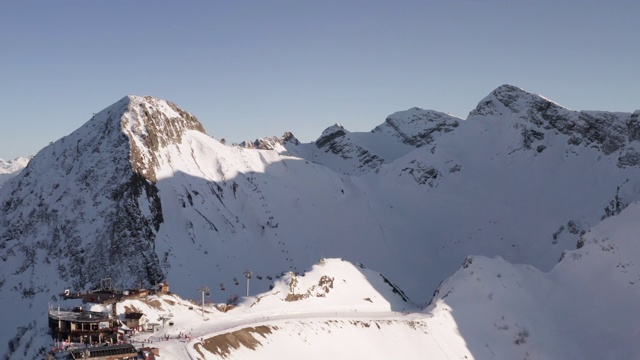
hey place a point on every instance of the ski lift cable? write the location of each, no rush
(235, 281)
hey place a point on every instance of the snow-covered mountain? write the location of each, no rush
(11, 168)
(141, 193)
(584, 308)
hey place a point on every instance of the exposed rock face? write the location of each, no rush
(271, 143)
(335, 139)
(421, 173)
(268, 143)
(630, 158)
(93, 208)
(152, 124)
(418, 127)
(607, 131)
(288, 138)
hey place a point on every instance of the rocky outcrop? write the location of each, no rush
(336, 140)
(288, 138)
(422, 173)
(271, 143)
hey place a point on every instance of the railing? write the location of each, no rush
(55, 315)
(81, 331)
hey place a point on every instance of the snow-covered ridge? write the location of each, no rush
(418, 127)
(331, 285)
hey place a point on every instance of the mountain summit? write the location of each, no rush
(150, 124)
(508, 99)
(90, 200)
(610, 132)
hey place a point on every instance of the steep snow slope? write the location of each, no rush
(11, 168)
(582, 309)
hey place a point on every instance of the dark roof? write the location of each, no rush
(104, 351)
(133, 315)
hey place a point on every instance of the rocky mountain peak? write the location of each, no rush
(270, 143)
(509, 99)
(332, 132)
(538, 118)
(93, 196)
(416, 126)
(289, 138)
(151, 124)
(152, 116)
(146, 123)
(267, 143)
(338, 141)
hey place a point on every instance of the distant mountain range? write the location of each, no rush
(141, 194)
(11, 168)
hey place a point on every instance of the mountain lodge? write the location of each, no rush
(81, 326)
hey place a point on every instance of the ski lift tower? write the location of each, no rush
(204, 290)
(164, 318)
(106, 284)
(248, 274)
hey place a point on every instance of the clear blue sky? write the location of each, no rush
(250, 69)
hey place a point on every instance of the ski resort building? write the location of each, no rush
(113, 352)
(136, 320)
(82, 326)
(163, 288)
